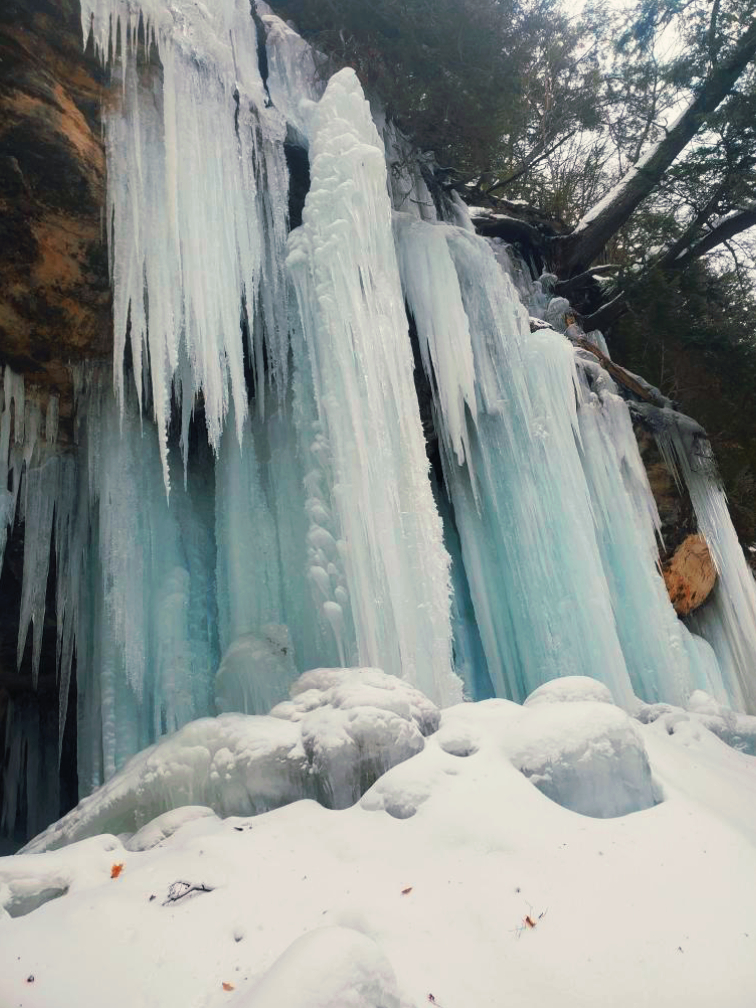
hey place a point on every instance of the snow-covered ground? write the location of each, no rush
(454, 881)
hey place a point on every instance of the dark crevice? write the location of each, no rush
(262, 52)
(32, 715)
(298, 163)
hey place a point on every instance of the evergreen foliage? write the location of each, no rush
(486, 85)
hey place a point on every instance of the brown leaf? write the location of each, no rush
(407, 890)
(227, 986)
(116, 870)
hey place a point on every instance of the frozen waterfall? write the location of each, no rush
(337, 444)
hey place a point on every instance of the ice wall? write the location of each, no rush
(251, 494)
(506, 414)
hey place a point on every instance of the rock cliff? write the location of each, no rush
(54, 291)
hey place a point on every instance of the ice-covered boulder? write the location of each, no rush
(341, 730)
(734, 729)
(586, 756)
(355, 725)
(165, 826)
(235, 764)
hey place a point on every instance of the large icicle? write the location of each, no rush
(197, 200)
(344, 266)
(11, 421)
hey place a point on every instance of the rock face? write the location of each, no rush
(54, 291)
(690, 575)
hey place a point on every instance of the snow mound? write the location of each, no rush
(27, 882)
(586, 756)
(356, 724)
(345, 688)
(736, 730)
(165, 826)
(570, 689)
(329, 967)
(340, 732)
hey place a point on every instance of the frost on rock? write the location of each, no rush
(340, 732)
(327, 967)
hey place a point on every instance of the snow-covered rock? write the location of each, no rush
(356, 724)
(570, 689)
(736, 730)
(586, 756)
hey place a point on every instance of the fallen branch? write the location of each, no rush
(178, 890)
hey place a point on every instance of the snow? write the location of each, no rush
(487, 891)
(570, 689)
(340, 731)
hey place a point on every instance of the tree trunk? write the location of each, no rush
(575, 252)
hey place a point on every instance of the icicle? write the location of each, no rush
(248, 575)
(728, 619)
(520, 500)
(664, 661)
(51, 420)
(11, 420)
(41, 487)
(344, 266)
(196, 192)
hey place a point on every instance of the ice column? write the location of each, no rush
(390, 536)
(507, 420)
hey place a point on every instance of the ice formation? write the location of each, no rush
(342, 729)
(251, 494)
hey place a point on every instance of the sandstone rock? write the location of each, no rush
(54, 289)
(690, 575)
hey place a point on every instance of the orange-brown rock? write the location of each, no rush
(54, 290)
(689, 575)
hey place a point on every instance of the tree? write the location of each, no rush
(491, 87)
(718, 172)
